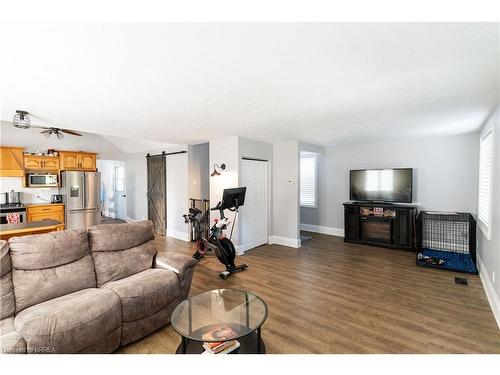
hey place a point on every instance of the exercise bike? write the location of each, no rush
(216, 240)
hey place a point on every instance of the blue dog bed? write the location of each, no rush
(452, 261)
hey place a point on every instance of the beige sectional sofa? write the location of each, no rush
(87, 292)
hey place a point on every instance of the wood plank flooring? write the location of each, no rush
(333, 297)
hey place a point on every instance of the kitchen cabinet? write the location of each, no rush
(49, 211)
(11, 162)
(77, 161)
(87, 161)
(41, 163)
(68, 160)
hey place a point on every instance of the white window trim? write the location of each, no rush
(315, 156)
(486, 229)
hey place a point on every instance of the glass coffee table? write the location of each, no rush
(243, 312)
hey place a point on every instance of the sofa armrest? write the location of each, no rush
(181, 265)
(11, 342)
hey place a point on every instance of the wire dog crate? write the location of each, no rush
(447, 240)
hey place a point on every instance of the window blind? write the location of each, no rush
(485, 165)
(308, 180)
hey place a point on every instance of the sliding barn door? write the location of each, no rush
(157, 200)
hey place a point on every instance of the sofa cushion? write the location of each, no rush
(145, 293)
(121, 250)
(10, 341)
(133, 331)
(41, 251)
(7, 301)
(50, 265)
(112, 237)
(5, 265)
(36, 286)
(72, 323)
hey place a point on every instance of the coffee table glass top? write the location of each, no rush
(244, 312)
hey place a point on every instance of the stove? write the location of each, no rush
(8, 208)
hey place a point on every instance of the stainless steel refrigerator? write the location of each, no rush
(81, 193)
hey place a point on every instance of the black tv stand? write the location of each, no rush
(384, 224)
(375, 202)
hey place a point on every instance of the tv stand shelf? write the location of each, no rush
(380, 224)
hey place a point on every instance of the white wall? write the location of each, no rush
(489, 250)
(223, 151)
(177, 196)
(137, 186)
(199, 171)
(286, 210)
(445, 174)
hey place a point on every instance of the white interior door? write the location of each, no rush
(120, 191)
(254, 215)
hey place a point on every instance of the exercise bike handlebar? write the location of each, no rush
(216, 207)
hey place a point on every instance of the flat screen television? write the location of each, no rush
(383, 185)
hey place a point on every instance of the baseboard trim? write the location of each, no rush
(240, 249)
(183, 236)
(108, 213)
(129, 219)
(323, 230)
(285, 241)
(489, 290)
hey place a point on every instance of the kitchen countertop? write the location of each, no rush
(33, 226)
(42, 204)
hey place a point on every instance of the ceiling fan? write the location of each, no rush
(22, 119)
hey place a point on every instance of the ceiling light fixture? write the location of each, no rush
(22, 119)
(216, 172)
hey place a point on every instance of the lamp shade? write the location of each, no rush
(216, 172)
(22, 119)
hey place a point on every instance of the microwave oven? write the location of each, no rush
(43, 180)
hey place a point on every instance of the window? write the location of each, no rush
(485, 179)
(308, 179)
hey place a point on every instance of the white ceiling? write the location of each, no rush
(189, 83)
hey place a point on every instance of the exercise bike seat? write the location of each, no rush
(194, 211)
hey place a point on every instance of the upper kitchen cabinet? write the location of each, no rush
(88, 161)
(11, 161)
(41, 163)
(68, 160)
(77, 161)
